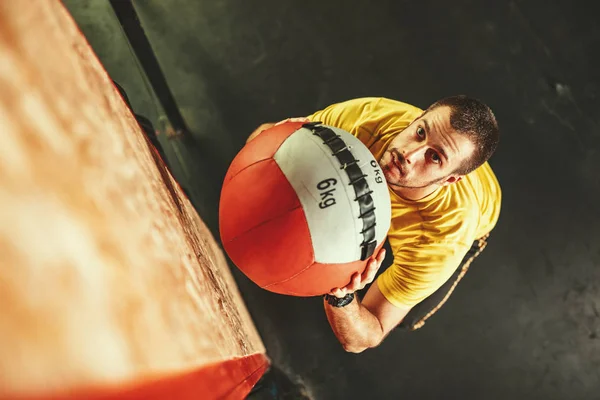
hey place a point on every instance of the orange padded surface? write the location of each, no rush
(108, 276)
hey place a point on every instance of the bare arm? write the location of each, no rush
(354, 326)
(362, 325)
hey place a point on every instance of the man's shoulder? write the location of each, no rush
(465, 208)
(395, 106)
(484, 174)
(449, 215)
(378, 105)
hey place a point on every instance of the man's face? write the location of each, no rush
(426, 153)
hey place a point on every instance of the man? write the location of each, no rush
(445, 201)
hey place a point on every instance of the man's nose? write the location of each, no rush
(412, 152)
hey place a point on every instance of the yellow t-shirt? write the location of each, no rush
(429, 237)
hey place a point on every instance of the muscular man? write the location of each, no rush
(445, 201)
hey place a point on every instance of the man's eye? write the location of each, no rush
(421, 132)
(435, 157)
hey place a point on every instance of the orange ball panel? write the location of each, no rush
(320, 278)
(262, 147)
(256, 195)
(274, 251)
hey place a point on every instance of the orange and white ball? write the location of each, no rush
(303, 207)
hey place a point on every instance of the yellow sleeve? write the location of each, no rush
(370, 119)
(419, 271)
(355, 116)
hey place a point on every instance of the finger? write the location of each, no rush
(370, 272)
(299, 119)
(381, 256)
(367, 271)
(377, 262)
(354, 283)
(295, 119)
(337, 292)
(371, 268)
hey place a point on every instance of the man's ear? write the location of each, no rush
(452, 179)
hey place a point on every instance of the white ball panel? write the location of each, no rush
(311, 170)
(331, 212)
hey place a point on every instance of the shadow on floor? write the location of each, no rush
(276, 385)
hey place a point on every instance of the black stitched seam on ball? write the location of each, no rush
(363, 195)
(367, 212)
(357, 181)
(344, 166)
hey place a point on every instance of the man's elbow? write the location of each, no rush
(354, 349)
(359, 348)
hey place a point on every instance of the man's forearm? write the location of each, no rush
(354, 326)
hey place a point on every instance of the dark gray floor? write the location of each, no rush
(525, 322)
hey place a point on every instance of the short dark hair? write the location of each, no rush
(475, 119)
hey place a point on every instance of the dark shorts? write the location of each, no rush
(421, 312)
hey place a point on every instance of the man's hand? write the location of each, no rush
(259, 130)
(297, 119)
(359, 281)
(269, 125)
